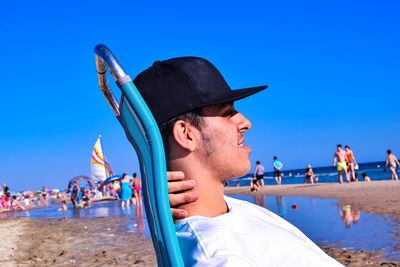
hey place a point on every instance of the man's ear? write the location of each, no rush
(184, 135)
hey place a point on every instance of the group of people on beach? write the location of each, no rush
(127, 190)
(258, 178)
(343, 160)
(21, 201)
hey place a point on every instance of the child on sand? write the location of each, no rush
(254, 185)
(366, 177)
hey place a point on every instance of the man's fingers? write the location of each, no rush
(175, 176)
(178, 214)
(180, 186)
(182, 198)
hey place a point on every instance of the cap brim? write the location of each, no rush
(234, 95)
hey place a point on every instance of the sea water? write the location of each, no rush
(328, 174)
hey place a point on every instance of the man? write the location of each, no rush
(277, 170)
(6, 190)
(259, 173)
(351, 163)
(204, 140)
(339, 161)
(392, 162)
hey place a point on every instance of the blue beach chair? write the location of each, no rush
(142, 132)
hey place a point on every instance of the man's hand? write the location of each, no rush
(178, 193)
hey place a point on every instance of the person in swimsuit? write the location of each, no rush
(277, 170)
(15, 205)
(339, 160)
(75, 194)
(259, 173)
(309, 175)
(351, 163)
(126, 191)
(392, 162)
(136, 189)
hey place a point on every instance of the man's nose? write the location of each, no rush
(243, 123)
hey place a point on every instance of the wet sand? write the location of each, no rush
(73, 242)
(106, 242)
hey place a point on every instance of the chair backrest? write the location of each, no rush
(142, 132)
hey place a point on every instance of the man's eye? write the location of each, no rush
(230, 113)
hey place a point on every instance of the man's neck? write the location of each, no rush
(211, 201)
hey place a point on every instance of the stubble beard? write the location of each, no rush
(225, 171)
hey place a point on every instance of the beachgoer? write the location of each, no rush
(86, 198)
(203, 138)
(75, 194)
(126, 191)
(27, 201)
(309, 175)
(259, 173)
(392, 162)
(254, 185)
(339, 161)
(277, 170)
(15, 205)
(6, 190)
(64, 206)
(136, 189)
(366, 177)
(351, 163)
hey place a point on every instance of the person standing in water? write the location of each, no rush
(126, 191)
(136, 189)
(339, 160)
(259, 173)
(392, 162)
(277, 170)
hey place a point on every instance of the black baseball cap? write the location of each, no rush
(176, 86)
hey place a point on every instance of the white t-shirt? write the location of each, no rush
(247, 235)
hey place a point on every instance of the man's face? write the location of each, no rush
(339, 148)
(222, 147)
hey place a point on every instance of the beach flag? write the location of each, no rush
(99, 167)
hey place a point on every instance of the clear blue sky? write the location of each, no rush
(332, 68)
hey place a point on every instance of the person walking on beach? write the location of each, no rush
(259, 173)
(126, 191)
(277, 170)
(351, 163)
(309, 175)
(339, 161)
(203, 136)
(392, 162)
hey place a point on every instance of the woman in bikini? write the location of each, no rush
(392, 162)
(136, 190)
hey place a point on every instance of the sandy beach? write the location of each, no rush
(104, 242)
